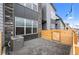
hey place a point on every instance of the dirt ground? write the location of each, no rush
(42, 47)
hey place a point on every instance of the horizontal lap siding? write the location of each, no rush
(1, 17)
(1, 26)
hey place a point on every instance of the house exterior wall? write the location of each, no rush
(1, 17)
(22, 11)
(25, 12)
(1, 22)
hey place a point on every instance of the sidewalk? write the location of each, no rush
(42, 47)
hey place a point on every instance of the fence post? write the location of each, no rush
(0, 43)
(73, 45)
(59, 36)
(51, 35)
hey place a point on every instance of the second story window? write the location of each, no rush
(29, 5)
(35, 7)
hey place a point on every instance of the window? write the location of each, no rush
(25, 26)
(28, 26)
(35, 7)
(52, 26)
(35, 26)
(19, 30)
(19, 23)
(29, 5)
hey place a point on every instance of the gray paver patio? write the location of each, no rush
(42, 47)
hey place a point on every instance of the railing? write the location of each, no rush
(0, 43)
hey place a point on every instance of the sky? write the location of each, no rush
(63, 8)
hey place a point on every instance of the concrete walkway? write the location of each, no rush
(42, 47)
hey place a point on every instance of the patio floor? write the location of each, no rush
(40, 46)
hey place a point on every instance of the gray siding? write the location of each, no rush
(1, 17)
(1, 23)
(28, 13)
(25, 12)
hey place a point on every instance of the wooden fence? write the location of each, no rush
(63, 36)
(68, 37)
(75, 44)
(0, 43)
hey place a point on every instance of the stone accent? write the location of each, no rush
(39, 19)
(9, 25)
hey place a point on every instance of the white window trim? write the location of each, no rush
(25, 28)
(17, 26)
(32, 26)
(36, 7)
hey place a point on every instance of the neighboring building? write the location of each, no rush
(59, 23)
(77, 30)
(67, 27)
(49, 16)
(49, 19)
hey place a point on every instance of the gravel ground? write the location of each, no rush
(42, 47)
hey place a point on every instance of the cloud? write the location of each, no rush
(70, 18)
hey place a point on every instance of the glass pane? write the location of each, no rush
(28, 30)
(19, 30)
(35, 7)
(19, 21)
(34, 30)
(29, 5)
(28, 23)
(28, 26)
(35, 24)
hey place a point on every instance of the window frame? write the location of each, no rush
(34, 4)
(35, 25)
(17, 26)
(26, 26)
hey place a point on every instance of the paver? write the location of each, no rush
(42, 47)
